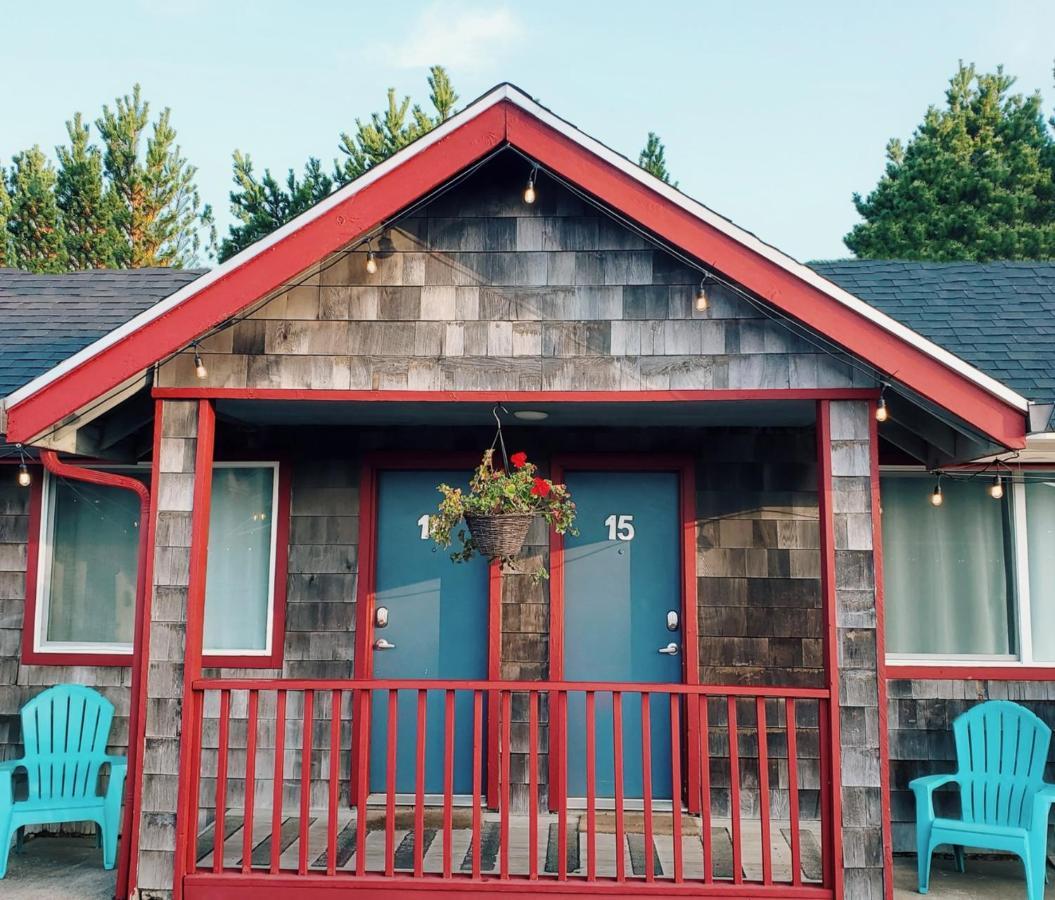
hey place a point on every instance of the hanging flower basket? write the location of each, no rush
(498, 510)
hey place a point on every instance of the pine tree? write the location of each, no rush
(976, 181)
(92, 241)
(36, 237)
(158, 211)
(263, 205)
(653, 159)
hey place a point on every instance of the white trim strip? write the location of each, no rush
(524, 102)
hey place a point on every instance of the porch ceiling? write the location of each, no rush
(560, 415)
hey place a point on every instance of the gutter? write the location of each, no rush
(129, 821)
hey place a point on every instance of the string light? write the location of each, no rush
(24, 478)
(529, 191)
(701, 296)
(996, 489)
(936, 499)
(881, 411)
(371, 263)
(199, 366)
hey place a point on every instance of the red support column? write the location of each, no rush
(831, 642)
(186, 804)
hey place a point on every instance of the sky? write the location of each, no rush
(773, 113)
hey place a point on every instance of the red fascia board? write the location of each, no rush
(219, 301)
(981, 672)
(807, 304)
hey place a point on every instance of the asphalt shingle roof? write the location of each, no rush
(46, 318)
(998, 316)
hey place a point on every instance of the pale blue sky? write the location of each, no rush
(772, 113)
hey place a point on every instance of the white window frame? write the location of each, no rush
(1020, 566)
(269, 641)
(43, 585)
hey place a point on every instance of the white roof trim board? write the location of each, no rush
(517, 97)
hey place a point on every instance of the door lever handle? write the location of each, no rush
(382, 644)
(671, 649)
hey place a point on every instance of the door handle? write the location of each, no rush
(671, 649)
(382, 644)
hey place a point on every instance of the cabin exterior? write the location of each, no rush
(226, 532)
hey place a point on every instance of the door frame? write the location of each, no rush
(682, 465)
(373, 464)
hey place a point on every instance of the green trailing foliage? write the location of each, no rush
(263, 204)
(34, 228)
(653, 159)
(5, 214)
(976, 181)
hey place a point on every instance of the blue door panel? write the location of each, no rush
(438, 622)
(621, 577)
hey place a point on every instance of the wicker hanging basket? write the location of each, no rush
(500, 536)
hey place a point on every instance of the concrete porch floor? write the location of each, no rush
(51, 867)
(985, 879)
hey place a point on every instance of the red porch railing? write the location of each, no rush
(272, 782)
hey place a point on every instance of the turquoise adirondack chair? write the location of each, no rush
(1001, 751)
(64, 734)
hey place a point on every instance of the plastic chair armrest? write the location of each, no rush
(1042, 801)
(924, 789)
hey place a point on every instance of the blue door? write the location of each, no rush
(621, 582)
(437, 627)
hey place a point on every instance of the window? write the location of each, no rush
(240, 577)
(974, 579)
(86, 569)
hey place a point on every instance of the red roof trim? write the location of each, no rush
(424, 170)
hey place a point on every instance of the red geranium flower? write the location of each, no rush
(519, 459)
(540, 488)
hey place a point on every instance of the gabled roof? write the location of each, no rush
(505, 116)
(998, 316)
(48, 318)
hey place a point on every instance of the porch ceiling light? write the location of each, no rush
(996, 489)
(936, 498)
(881, 411)
(24, 478)
(199, 366)
(529, 191)
(530, 415)
(371, 263)
(701, 296)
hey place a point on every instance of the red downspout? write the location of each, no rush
(61, 469)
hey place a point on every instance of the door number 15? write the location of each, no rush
(620, 528)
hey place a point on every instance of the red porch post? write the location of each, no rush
(834, 857)
(186, 803)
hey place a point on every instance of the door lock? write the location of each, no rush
(382, 644)
(672, 620)
(671, 649)
(381, 616)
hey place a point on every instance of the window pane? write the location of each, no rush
(91, 583)
(1040, 535)
(238, 582)
(946, 573)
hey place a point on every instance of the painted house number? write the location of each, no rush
(620, 528)
(423, 524)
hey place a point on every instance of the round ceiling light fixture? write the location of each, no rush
(530, 415)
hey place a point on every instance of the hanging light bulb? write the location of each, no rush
(996, 489)
(529, 191)
(701, 296)
(881, 411)
(371, 263)
(936, 499)
(199, 366)
(24, 478)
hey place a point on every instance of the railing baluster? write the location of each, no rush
(198, 719)
(362, 701)
(392, 740)
(419, 785)
(734, 790)
(562, 775)
(826, 795)
(335, 785)
(705, 787)
(533, 700)
(478, 727)
(793, 792)
(591, 790)
(279, 778)
(252, 717)
(763, 789)
(617, 759)
(506, 795)
(305, 782)
(220, 807)
(646, 782)
(675, 779)
(448, 779)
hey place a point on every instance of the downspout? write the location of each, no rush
(61, 469)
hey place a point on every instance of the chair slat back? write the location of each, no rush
(65, 730)
(1002, 749)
